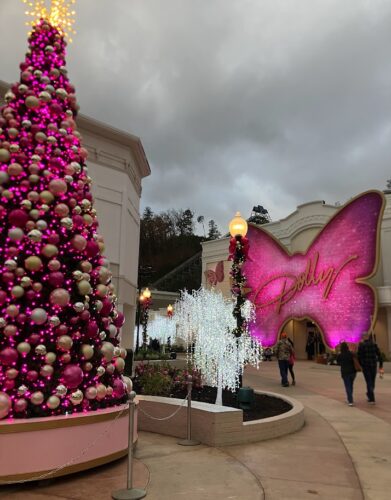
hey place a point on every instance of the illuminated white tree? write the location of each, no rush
(162, 328)
(205, 320)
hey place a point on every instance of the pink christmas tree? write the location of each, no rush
(59, 325)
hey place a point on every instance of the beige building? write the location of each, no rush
(117, 164)
(296, 232)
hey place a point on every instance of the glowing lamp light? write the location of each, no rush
(147, 294)
(238, 226)
(170, 310)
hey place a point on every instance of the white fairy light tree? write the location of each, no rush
(162, 328)
(205, 320)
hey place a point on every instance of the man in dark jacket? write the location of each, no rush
(283, 352)
(369, 355)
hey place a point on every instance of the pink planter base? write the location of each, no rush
(70, 443)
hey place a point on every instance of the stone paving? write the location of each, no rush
(341, 453)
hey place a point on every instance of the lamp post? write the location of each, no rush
(139, 307)
(145, 303)
(238, 252)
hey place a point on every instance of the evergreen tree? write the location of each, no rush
(213, 232)
(59, 325)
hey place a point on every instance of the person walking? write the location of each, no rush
(292, 359)
(283, 353)
(369, 355)
(348, 370)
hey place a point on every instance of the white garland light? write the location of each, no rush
(161, 328)
(204, 319)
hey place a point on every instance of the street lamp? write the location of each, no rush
(145, 303)
(139, 307)
(238, 249)
(238, 226)
(170, 310)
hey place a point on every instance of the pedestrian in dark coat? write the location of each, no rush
(348, 370)
(283, 353)
(369, 356)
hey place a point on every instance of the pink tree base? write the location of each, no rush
(31, 448)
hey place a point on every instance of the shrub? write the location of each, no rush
(156, 384)
(162, 379)
(150, 355)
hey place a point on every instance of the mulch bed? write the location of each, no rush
(264, 406)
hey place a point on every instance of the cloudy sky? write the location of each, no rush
(237, 102)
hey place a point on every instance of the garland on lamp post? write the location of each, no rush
(238, 251)
(145, 305)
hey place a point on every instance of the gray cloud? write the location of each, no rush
(237, 102)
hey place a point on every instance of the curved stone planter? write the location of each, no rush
(217, 425)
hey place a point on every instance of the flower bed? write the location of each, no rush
(168, 381)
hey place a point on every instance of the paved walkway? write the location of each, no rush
(342, 453)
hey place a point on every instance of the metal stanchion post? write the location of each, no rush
(188, 441)
(130, 493)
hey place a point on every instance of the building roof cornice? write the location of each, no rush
(108, 132)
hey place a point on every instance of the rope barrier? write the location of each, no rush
(169, 416)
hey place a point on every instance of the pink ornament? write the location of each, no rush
(18, 218)
(66, 358)
(21, 319)
(106, 308)
(60, 297)
(119, 320)
(72, 376)
(9, 385)
(54, 239)
(20, 405)
(92, 329)
(119, 388)
(30, 295)
(56, 279)
(78, 221)
(85, 315)
(92, 249)
(34, 338)
(61, 330)
(32, 376)
(79, 243)
(8, 356)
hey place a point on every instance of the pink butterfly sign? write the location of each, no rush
(327, 284)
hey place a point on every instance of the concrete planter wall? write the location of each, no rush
(217, 425)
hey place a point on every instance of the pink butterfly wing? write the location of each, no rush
(348, 244)
(266, 259)
(220, 271)
(211, 277)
